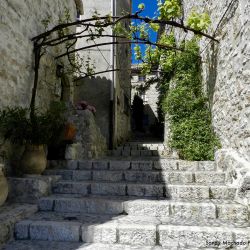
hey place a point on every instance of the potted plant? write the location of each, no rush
(17, 126)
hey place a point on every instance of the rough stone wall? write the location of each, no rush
(226, 76)
(20, 21)
(89, 141)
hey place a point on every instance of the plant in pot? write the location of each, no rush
(34, 132)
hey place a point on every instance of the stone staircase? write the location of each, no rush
(136, 202)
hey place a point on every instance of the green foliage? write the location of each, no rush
(169, 9)
(198, 21)
(187, 106)
(141, 6)
(17, 126)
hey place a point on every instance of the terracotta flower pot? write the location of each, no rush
(34, 159)
(4, 189)
(70, 132)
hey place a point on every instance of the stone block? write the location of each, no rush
(193, 211)
(210, 178)
(144, 235)
(187, 192)
(108, 188)
(113, 176)
(147, 208)
(177, 177)
(146, 152)
(119, 165)
(206, 166)
(46, 204)
(81, 175)
(35, 188)
(126, 153)
(165, 165)
(100, 165)
(143, 176)
(135, 152)
(55, 231)
(103, 233)
(192, 236)
(142, 165)
(69, 187)
(147, 190)
(187, 165)
(85, 165)
(232, 212)
(65, 174)
(222, 192)
(22, 230)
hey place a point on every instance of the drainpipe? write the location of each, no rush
(112, 86)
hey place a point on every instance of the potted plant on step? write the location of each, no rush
(34, 132)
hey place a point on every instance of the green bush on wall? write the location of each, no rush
(187, 106)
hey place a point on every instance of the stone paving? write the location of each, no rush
(136, 203)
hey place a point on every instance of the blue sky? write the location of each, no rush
(150, 9)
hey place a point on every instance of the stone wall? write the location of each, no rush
(89, 142)
(226, 76)
(20, 21)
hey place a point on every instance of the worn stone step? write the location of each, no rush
(148, 176)
(203, 237)
(139, 152)
(142, 165)
(130, 230)
(88, 228)
(10, 214)
(225, 211)
(191, 191)
(59, 245)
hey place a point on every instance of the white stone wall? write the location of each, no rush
(19, 22)
(226, 75)
(226, 72)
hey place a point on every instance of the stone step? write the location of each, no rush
(142, 165)
(225, 211)
(61, 245)
(142, 147)
(10, 214)
(140, 152)
(191, 191)
(130, 230)
(203, 237)
(148, 176)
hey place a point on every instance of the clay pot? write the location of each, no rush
(3, 187)
(34, 159)
(70, 132)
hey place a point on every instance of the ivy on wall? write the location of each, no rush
(186, 105)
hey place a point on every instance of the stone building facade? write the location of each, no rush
(109, 92)
(226, 77)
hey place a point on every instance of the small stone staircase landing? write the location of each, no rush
(136, 202)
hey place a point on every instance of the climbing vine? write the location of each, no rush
(185, 103)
